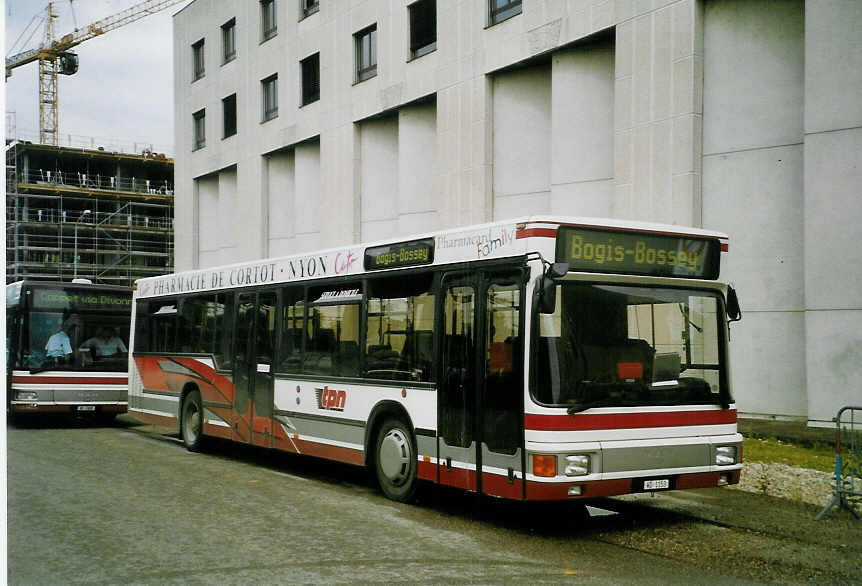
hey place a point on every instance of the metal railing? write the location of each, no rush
(102, 219)
(848, 461)
(77, 180)
(80, 141)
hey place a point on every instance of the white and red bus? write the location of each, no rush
(543, 359)
(66, 347)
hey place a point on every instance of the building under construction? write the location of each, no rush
(87, 213)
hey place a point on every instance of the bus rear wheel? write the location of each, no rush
(395, 460)
(192, 422)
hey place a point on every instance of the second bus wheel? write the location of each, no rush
(395, 460)
(192, 422)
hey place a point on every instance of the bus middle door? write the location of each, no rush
(480, 383)
(253, 379)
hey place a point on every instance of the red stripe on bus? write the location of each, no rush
(426, 471)
(581, 422)
(337, 453)
(536, 233)
(153, 419)
(557, 491)
(499, 485)
(552, 491)
(68, 380)
(458, 477)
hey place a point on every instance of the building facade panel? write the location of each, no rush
(681, 111)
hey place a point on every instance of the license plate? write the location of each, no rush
(659, 484)
(86, 407)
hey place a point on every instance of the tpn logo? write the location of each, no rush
(330, 399)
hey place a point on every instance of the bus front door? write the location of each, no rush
(480, 383)
(253, 380)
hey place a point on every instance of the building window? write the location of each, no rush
(423, 27)
(228, 106)
(198, 60)
(366, 53)
(500, 10)
(200, 130)
(308, 7)
(310, 78)
(269, 95)
(228, 37)
(268, 26)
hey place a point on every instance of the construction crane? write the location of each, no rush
(55, 58)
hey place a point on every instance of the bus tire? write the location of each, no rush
(192, 422)
(395, 460)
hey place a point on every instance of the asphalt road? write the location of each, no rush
(126, 504)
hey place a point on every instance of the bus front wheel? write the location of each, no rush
(192, 422)
(395, 460)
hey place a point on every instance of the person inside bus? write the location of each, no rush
(59, 346)
(106, 343)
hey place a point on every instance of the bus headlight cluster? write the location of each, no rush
(725, 455)
(26, 396)
(577, 465)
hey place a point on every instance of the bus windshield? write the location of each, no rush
(74, 330)
(621, 345)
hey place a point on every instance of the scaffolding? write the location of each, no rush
(83, 213)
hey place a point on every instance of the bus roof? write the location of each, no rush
(509, 238)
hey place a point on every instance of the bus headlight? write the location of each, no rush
(26, 395)
(725, 455)
(577, 465)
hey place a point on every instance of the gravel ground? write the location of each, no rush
(788, 482)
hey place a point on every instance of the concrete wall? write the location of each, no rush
(753, 189)
(281, 197)
(658, 111)
(832, 207)
(582, 130)
(379, 176)
(522, 142)
(739, 115)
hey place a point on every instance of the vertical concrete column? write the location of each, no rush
(205, 246)
(833, 231)
(522, 142)
(281, 186)
(186, 204)
(752, 177)
(234, 219)
(312, 215)
(336, 185)
(417, 169)
(379, 178)
(582, 130)
(464, 152)
(658, 114)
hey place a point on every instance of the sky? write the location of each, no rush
(122, 93)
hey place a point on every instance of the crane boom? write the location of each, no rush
(87, 32)
(48, 53)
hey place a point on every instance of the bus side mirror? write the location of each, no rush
(734, 313)
(548, 288)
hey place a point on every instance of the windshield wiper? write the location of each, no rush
(612, 394)
(578, 407)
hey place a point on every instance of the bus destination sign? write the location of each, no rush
(403, 254)
(75, 300)
(657, 255)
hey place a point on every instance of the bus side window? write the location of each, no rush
(400, 325)
(333, 333)
(292, 328)
(224, 333)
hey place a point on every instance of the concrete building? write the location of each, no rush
(88, 213)
(304, 124)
